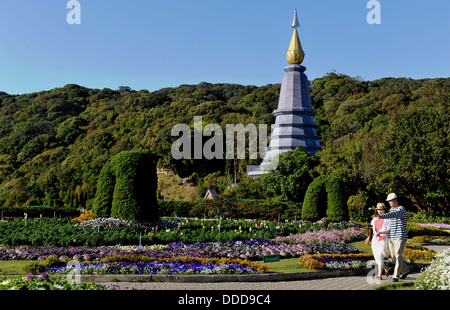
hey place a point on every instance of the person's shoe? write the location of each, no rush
(394, 279)
(403, 276)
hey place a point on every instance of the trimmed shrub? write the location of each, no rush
(314, 204)
(337, 209)
(324, 198)
(127, 187)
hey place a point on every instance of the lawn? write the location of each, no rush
(286, 265)
(13, 267)
(362, 246)
(395, 287)
(291, 265)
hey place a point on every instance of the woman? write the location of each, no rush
(379, 236)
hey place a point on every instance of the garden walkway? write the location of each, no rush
(335, 283)
(352, 282)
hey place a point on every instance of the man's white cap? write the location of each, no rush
(391, 196)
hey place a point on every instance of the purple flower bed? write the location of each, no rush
(311, 242)
(436, 225)
(248, 249)
(323, 235)
(155, 267)
(332, 247)
(78, 253)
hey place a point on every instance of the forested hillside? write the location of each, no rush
(377, 136)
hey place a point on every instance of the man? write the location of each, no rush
(397, 236)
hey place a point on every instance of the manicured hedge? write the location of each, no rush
(127, 187)
(324, 198)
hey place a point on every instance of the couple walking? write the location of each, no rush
(388, 234)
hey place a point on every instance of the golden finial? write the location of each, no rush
(295, 52)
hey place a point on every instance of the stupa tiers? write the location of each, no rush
(294, 118)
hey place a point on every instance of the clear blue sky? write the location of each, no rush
(146, 44)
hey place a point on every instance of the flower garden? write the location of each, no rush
(183, 246)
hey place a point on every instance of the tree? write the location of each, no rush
(415, 157)
(292, 176)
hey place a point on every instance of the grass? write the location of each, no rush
(395, 287)
(171, 187)
(14, 267)
(291, 265)
(362, 246)
(286, 265)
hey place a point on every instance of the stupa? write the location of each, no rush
(294, 118)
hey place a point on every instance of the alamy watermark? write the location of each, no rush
(371, 277)
(228, 144)
(374, 15)
(74, 275)
(74, 15)
(214, 146)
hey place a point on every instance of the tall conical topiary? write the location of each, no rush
(314, 204)
(127, 186)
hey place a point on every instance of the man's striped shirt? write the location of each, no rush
(398, 222)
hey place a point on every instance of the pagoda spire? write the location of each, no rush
(295, 52)
(294, 118)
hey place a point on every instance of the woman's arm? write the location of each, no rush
(369, 237)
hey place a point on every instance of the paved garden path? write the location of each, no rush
(359, 282)
(335, 283)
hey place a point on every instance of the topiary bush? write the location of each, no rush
(314, 203)
(127, 187)
(325, 198)
(337, 209)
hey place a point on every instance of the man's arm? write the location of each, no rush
(398, 213)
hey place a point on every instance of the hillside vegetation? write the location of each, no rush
(377, 136)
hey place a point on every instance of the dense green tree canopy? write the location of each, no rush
(377, 136)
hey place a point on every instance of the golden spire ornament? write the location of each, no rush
(295, 52)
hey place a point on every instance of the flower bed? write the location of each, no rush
(418, 229)
(111, 231)
(437, 275)
(141, 264)
(247, 249)
(335, 261)
(116, 224)
(44, 282)
(155, 267)
(432, 239)
(76, 253)
(435, 225)
(323, 235)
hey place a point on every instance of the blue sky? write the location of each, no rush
(146, 44)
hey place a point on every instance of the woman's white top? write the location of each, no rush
(386, 226)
